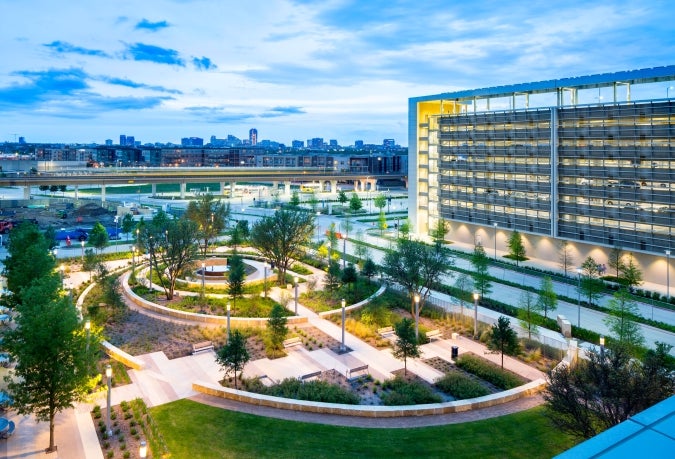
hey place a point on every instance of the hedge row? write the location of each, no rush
(460, 386)
(489, 372)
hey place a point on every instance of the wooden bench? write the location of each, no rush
(351, 371)
(316, 374)
(290, 342)
(385, 331)
(203, 346)
(431, 334)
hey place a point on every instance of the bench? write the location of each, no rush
(316, 374)
(203, 346)
(385, 331)
(431, 334)
(351, 371)
(290, 342)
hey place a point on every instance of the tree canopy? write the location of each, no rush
(210, 215)
(503, 338)
(233, 356)
(406, 345)
(481, 275)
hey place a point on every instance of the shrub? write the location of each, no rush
(316, 391)
(461, 386)
(402, 392)
(489, 371)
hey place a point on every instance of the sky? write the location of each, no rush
(83, 71)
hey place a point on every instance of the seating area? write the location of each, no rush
(290, 342)
(434, 334)
(385, 332)
(203, 346)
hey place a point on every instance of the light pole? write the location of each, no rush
(344, 250)
(150, 260)
(495, 226)
(108, 375)
(87, 326)
(579, 297)
(668, 275)
(295, 280)
(668, 91)
(476, 297)
(265, 278)
(417, 315)
(318, 228)
(133, 259)
(342, 347)
(203, 274)
(116, 233)
(228, 322)
(143, 450)
(602, 348)
(82, 254)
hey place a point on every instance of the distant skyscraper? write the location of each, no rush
(123, 139)
(389, 143)
(22, 140)
(316, 142)
(358, 144)
(333, 143)
(253, 136)
(298, 144)
(131, 141)
(192, 142)
(108, 142)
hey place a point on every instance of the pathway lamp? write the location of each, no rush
(108, 375)
(295, 280)
(417, 315)
(476, 297)
(342, 347)
(579, 270)
(228, 322)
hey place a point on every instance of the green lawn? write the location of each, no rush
(199, 431)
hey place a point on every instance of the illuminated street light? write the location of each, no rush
(476, 297)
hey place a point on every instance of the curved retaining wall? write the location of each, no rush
(332, 312)
(370, 411)
(121, 356)
(235, 322)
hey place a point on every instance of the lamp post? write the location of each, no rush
(295, 281)
(579, 297)
(82, 254)
(344, 250)
(108, 375)
(342, 347)
(318, 228)
(417, 315)
(602, 348)
(495, 226)
(116, 219)
(143, 450)
(87, 326)
(265, 278)
(476, 297)
(133, 259)
(668, 91)
(228, 322)
(668, 275)
(150, 260)
(203, 274)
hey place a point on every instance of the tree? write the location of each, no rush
(594, 395)
(295, 199)
(516, 247)
(236, 278)
(333, 275)
(464, 284)
(276, 327)
(632, 276)
(481, 275)
(528, 313)
(233, 356)
(52, 371)
(332, 237)
(313, 201)
(565, 256)
(90, 261)
(548, 300)
(615, 260)
(380, 201)
(438, 233)
(417, 267)
(128, 224)
(369, 268)
(590, 285)
(98, 237)
(355, 203)
(342, 197)
(50, 237)
(240, 233)
(280, 238)
(210, 215)
(622, 311)
(405, 229)
(503, 338)
(361, 250)
(406, 342)
(382, 223)
(172, 246)
(350, 277)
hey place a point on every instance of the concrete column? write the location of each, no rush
(287, 188)
(222, 188)
(75, 191)
(233, 185)
(102, 193)
(333, 186)
(154, 189)
(26, 192)
(182, 189)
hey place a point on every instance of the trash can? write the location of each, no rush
(455, 352)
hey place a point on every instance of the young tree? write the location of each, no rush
(405, 229)
(596, 394)
(240, 233)
(620, 320)
(438, 233)
(565, 256)
(417, 267)
(209, 215)
(342, 197)
(332, 240)
(236, 278)
(98, 237)
(380, 201)
(128, 224)
(361, 250)
(615, 260)
(406, 343)
(333, 276)
(313, 201)
(503, 338)
(464, 284)
(481, 275)
(52, 371)
(50, 237)
(350, 277)
(295, 199)
(631, 274)
(591, 286)
(528, 313)
(382, 223)
(548, 300)
(369, 268)
(233, 356)
(355, 203)
(516, 247)
(90, 262)
(276, 327)
(280, 238)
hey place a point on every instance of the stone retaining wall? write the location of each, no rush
(235, 322)
(118, 354)
(371, 411)
(333, 312)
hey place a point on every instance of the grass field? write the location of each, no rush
(199, 431)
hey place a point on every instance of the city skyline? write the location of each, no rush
(294, 70)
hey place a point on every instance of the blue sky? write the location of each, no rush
(86, 71)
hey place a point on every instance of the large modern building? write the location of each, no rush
(573, 160)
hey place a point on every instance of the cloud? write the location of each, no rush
(151, 53)
(66, 48)
(136, 85)
(145, 24)
(282, 111)
(203, 63)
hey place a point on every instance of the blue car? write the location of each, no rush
(77, 234)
